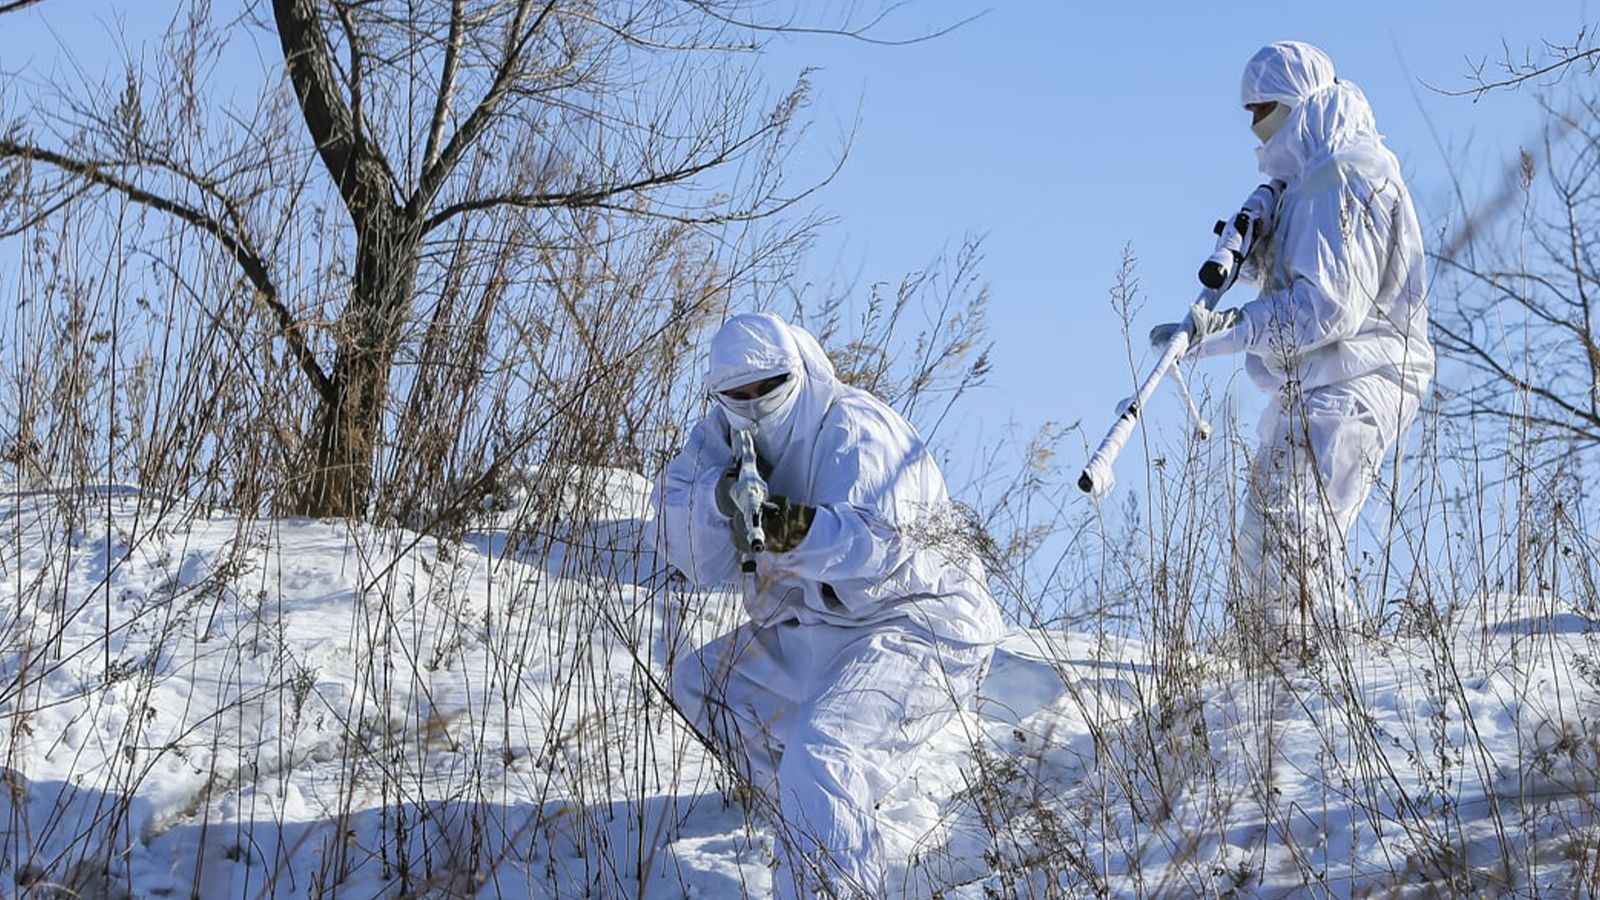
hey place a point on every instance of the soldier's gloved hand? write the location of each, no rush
(1210, 323)
(729, 509)
(1207, 323)
(786, 523)
(1161, 335)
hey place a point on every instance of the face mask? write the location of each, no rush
(758, 408)
(1269, 126)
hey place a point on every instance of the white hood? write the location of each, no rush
(1329, 114)
(755, 346)
(1285, 72)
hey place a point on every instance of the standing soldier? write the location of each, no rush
(1338, 335)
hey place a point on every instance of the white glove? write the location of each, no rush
(1207, 323)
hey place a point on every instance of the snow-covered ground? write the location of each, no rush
(207, 706)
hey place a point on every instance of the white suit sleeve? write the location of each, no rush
(1333, 254)
(872, 475)
(695, 533)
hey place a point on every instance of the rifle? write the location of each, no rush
(1235, 240)
(749, 495)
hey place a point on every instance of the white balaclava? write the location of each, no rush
(756, 346)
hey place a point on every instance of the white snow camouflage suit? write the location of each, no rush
(1338, 334)
(862, 642)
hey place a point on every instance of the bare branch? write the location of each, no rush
(447, 84)
(474, 489)
(1486, 361)
(592, 198)
(1560, 431)
(859, 33)
(33, 220)
(1496, 282)
(15, 5)
(348, 154)
(353, 42)
(250, 262)
(519, 35)
(1515, 73)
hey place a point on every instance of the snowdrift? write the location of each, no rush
(208, 706)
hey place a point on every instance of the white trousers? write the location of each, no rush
(1320, 453)
(825, 719)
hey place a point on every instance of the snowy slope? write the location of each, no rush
(205, 706)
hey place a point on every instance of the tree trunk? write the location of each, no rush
(348, 425)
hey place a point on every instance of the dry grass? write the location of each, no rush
(508, 724)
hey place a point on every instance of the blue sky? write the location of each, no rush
(1067, 131)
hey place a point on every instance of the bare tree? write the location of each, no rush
(477, 152)
(1518, 299)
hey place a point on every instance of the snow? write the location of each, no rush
(203, 705)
